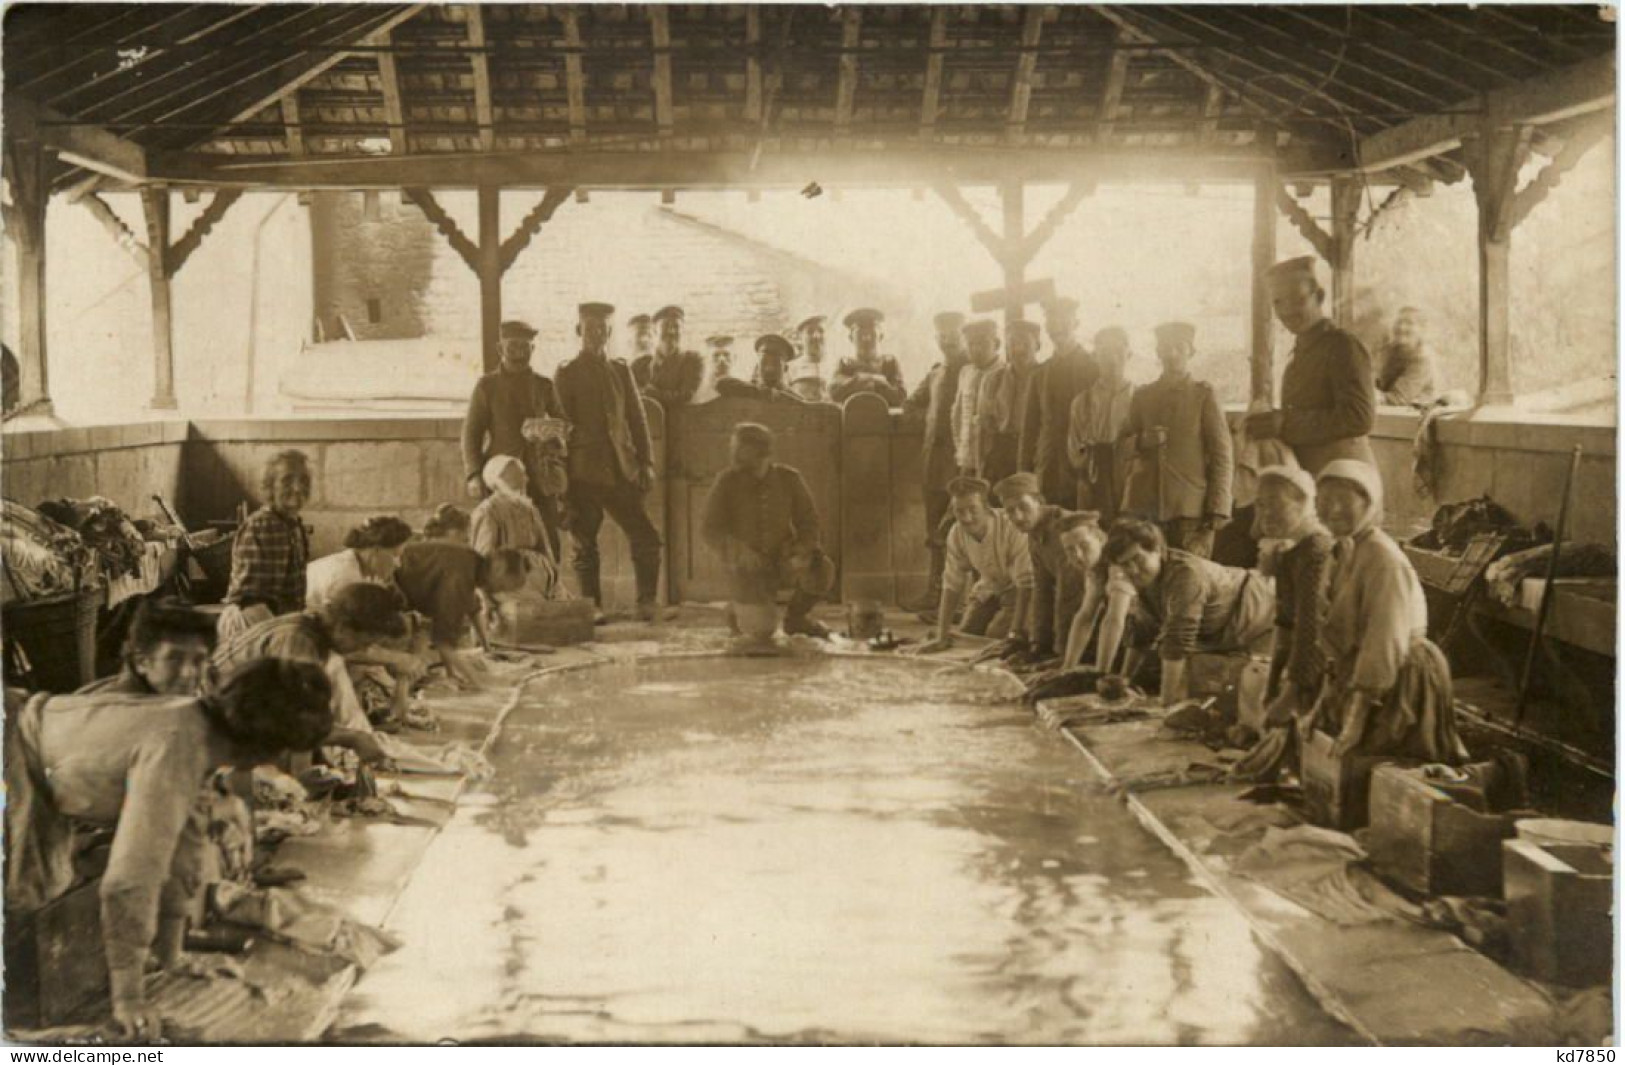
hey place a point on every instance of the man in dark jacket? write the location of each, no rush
(611, 459)
(497, 411)
(867, 370)
(1047, 418)
(1328, 393)
(761, 521)
(1183, 465)
(935, 398)
(674, 374)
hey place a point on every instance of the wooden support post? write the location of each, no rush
(1345, 213)
(1021, 83)
(1014, 197)
(389, 79)
(155, 205)
(490, 272)
(1494, 156)
(1111, 94)
(846, 87)
(1263, 253)
(291, 125)
(753, 63)
(28, 172)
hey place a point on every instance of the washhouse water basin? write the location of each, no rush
(811, 849)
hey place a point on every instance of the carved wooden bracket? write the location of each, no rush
(176, 255)
(1493, 157)
(1015, 248)
(1305, 223)
(1584, 137)
(465, 248)
(122, 235)
(532, 223)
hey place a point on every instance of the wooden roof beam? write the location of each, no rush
(931, 100)
(1212, 111)
(846, 89)
(389, 80)
(753, 63)
(734, 169)
(1021, 84)
(480, 69)
(575, 75)
(79, 143)
(1567, 93)
(1111, 94)
(291, 125)
(660, 30)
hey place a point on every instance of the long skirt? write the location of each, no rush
(1416, 718)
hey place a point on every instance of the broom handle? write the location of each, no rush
(1547, 591)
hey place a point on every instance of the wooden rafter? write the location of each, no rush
(1021, 84)
(465, 248)
(176, 255)
(480, 69)
(931, 101)
(660, 31)
(575, 76)
(79, 143)
(532, 223)
(1305, 223)
(389, 81)
(316, 69)
(1111, 94)
(290, 124)
(1212, 111)
(753, 63)
(846, 88)
(1287, 50)
(1576, 90)
(1388, 55)
(125, 237)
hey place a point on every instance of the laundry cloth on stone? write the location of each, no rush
(291, 916)
(1319, 870)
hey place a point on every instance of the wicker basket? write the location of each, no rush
(57, 640)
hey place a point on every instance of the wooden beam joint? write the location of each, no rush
(532, 223)
(176, 255)
(465, 248)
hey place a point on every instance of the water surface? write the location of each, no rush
(809, 850)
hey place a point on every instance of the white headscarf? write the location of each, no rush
(492, 475)
(1363, 476)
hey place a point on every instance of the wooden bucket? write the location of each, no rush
(555, 622)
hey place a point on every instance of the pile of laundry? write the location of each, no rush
(42, 558)
(118, 541)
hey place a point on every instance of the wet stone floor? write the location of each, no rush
(808, 850)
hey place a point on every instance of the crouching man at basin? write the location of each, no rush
(1188, 605)
(141, 761)
(985, 544)
(761, 521)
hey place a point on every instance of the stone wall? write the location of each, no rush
(128, 464)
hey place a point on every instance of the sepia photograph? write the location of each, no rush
(794, 524)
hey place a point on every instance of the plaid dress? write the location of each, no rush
(268, 560)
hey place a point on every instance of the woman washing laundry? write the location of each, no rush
(508, 520)
(141, 761)
(1387, 688)
(382, 673)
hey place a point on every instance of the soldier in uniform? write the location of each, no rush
(719, 378)
(982, 346)
(935, 398)
(1182, 471)
(643, 347)
(1096, 444)
(807, 372)
(674, 374)
(867, 370)
(497, 411)
(773, 355)
(1047, 420)
(1328, 392)
(611, 459)
(1003, 401)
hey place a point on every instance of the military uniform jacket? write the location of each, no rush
(1047, 419)
(1193, 477)
(610, 435)
(497, 411)
(1328, 398)
(673, 379)
(936, 396)
(845, 383)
